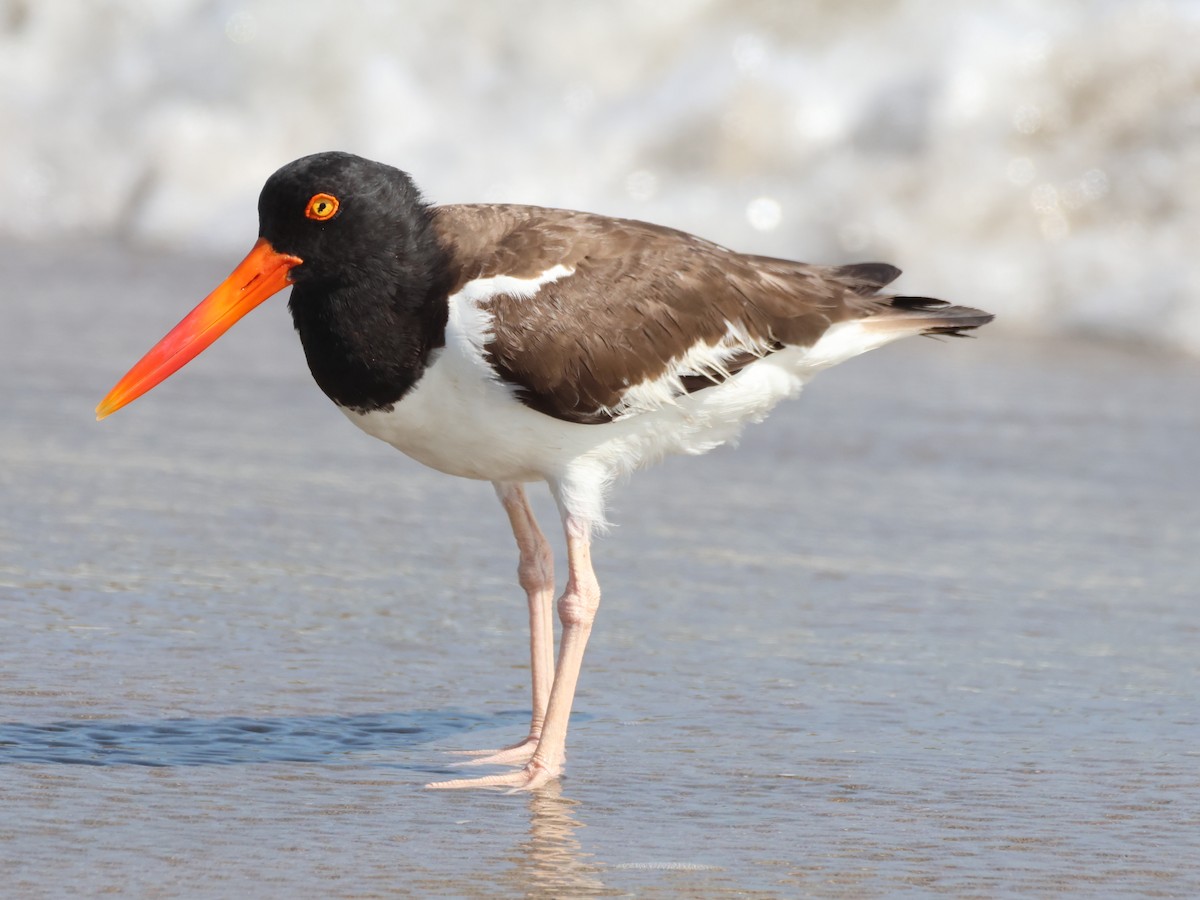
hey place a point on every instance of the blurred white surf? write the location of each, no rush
(1038, 160)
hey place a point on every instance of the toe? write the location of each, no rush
(531, 777)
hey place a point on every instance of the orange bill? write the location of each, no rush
(262, 273)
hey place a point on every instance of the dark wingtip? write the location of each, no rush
(960, 319)
(918, 304)
(928, 316)
(870, 277)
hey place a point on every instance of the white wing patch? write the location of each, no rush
(481, 289)
(704, 360)
(470, 320)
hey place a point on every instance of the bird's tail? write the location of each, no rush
(901, 316)
(924, 315)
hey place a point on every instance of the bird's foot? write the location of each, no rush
(532, 776)
(517, 754)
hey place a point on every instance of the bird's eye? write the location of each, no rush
(321, 207)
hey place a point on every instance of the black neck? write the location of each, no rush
(368, 331)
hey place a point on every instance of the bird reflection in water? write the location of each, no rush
(551, 861)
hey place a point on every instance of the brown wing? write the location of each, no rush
(640, 296)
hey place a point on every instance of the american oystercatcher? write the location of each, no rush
(517, 344)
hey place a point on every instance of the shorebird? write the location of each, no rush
(516, 344)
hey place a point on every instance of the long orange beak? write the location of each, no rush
(262, 273)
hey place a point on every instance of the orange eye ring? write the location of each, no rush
(322, 207)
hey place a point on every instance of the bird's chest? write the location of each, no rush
(460, 420)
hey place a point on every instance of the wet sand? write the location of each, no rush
(932, 627)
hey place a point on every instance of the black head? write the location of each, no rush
(344, 216)
(372, 277)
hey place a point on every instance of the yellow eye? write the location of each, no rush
(322, 207)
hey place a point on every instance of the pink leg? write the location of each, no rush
(577, 610)
(535, 571)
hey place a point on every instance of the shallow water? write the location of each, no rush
(931, 628)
